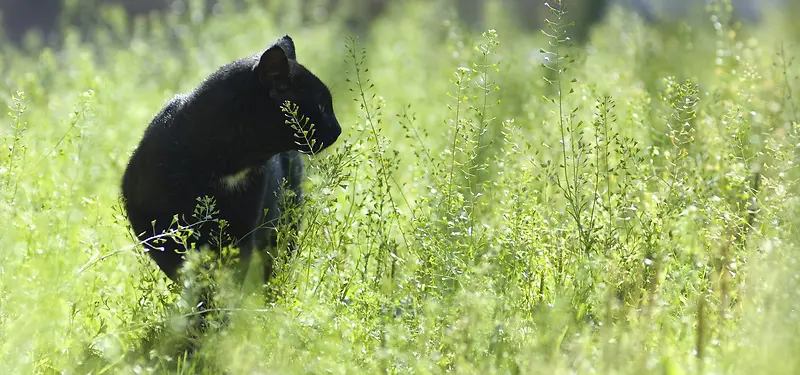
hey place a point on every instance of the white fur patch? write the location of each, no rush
(235, 181)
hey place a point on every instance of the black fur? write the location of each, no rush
(232, 122)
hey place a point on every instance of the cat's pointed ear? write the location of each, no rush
(273, 69)
(288, 46)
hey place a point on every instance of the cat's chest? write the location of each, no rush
(236, 181)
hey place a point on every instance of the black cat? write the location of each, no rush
(227, 139)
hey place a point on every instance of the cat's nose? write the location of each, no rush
(328, 140)
(336, 133)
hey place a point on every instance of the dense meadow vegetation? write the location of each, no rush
(632, 213)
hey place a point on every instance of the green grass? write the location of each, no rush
(473, 217)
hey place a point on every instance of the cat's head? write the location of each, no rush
(287, 80)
